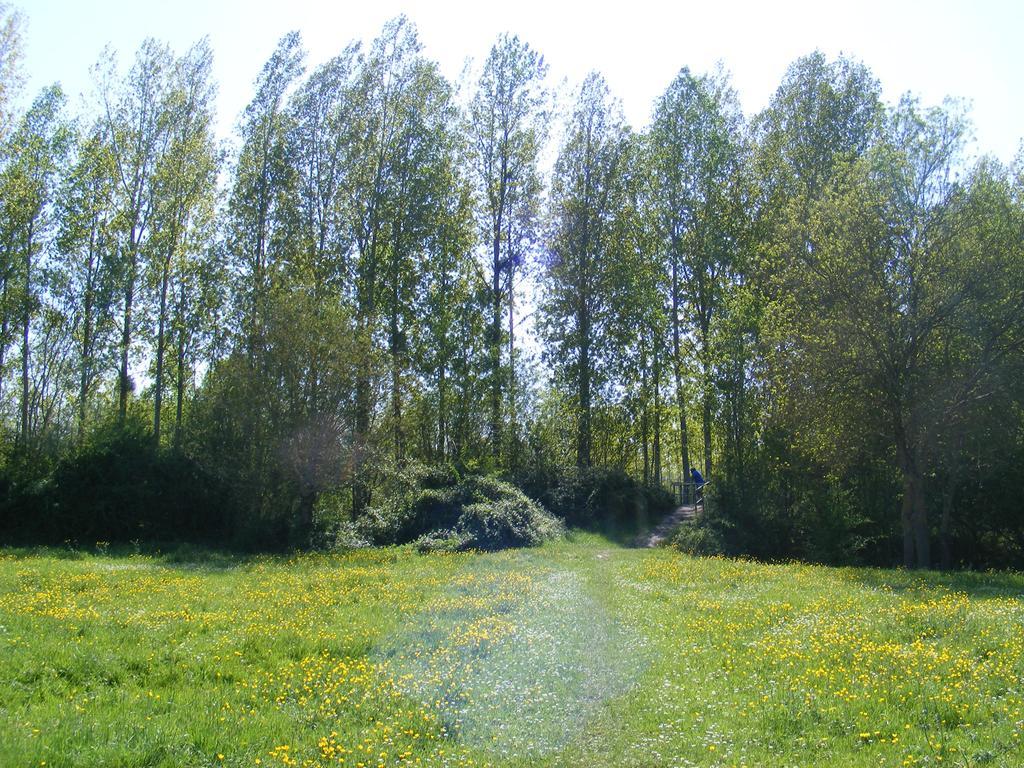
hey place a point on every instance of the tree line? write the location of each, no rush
(820, 306)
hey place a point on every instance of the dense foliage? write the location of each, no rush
(821, 306)
(119, 486)
(437, 509)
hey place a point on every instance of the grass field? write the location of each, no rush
(578, 653)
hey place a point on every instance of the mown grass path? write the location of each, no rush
(578, 653)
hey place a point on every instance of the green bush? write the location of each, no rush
(443, 541)
(121, 487)
(782, 503)
(699, 540)
(117, 487)
(25, 491)
(437, 509)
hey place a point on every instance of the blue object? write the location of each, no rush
(697, 477)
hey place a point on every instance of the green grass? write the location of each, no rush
(577, 653)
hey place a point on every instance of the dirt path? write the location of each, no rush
(666, 527)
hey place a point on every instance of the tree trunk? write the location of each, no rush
(945, 531)
(126, 339)
(26, 317)
(25, 323)
(83, 374)
(158, 385)
(583, 433)
(442, 412)
(302, 533)
(396, 357)
(907, 518)
(922, 534)
(914, 514)
(657, 416)
(707, 395)
(4, 330)
(360, 487)
(738, 398)
(948, 503)
(179, 395)
(360, 443)
(513, 437)
(677, 368)
(495, 344)
(366, 304)
(644, 419)
(707, 430)
(86, 348)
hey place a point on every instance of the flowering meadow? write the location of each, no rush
(575, 653)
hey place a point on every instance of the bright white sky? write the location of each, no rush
(934, 48)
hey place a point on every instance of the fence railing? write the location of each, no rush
(690, 494)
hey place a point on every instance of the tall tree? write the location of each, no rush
(34, 154)
(637, 290)
(423, 170)
(135, 114)
(823, 114)
(258, 236)
(87, 257)
(320, 259)
(311, 331)
(585, 190)
(505, 131)
(374, 195)
(184, 182)
(445, 299)
(901, 306)
(12, 25)
(260, 187)
(696, 134)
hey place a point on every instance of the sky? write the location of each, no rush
(934, 49)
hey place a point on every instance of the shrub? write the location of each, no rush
(25, 489)
(438, 510)
(699, 539)
(443, 541)
(121, 487)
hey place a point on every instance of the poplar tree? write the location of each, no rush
(696, 138)
(184, 184)
(585, 190)
(505, 130)
(136, 123)
(87, 257)
(28, 183)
